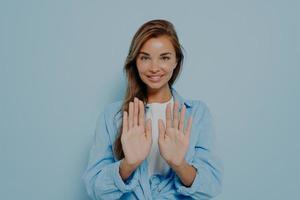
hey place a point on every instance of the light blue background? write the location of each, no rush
(61, 63)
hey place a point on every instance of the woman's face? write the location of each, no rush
(156, 61)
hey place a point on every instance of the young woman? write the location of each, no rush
(154, 144)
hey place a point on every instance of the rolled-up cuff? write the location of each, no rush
(129, 184)
(187, 191)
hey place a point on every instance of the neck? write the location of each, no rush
(159, 96)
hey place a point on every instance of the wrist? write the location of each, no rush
(129, 166)
(178, 167)
(126, 169)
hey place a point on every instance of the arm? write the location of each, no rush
(208, 180)
(186, 173)
(102, 175)
(126, 169)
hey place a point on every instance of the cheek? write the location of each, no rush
(141, 72)
(170, 71)
(142, 67)
(170, 66)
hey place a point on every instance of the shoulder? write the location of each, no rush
(111, 111)
(198, 107)
(109, 118)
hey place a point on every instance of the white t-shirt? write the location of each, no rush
(156, 164)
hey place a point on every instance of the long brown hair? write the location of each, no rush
(135, 86)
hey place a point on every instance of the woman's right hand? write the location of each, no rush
(136, 136)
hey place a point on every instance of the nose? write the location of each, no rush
(154, 66)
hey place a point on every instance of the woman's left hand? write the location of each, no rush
(174, 139)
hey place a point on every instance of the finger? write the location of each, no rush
(181, 122)
(187, 131)
(125, 122)
(161, 128)
(130, 115)
(168, 115)
(141, 114)
(148, 129)
(136, 112)
(175, 115)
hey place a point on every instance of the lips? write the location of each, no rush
(155, 78)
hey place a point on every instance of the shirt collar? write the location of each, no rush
(179, 98)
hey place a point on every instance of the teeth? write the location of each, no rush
(154, 78)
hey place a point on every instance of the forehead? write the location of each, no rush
(158, 44)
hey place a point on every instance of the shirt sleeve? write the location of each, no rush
(208, 181)
(101, 177)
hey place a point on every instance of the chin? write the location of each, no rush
(156, 86)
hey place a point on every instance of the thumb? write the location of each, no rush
(161, 128)
(148, 129)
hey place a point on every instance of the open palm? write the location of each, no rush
(136, 137)
(174, 139)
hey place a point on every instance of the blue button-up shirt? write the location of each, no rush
(102, 178)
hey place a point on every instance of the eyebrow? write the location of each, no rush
(163, 54)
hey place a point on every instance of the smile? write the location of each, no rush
(155, 78)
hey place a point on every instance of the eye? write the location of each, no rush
(165, 58)
(144, 58)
